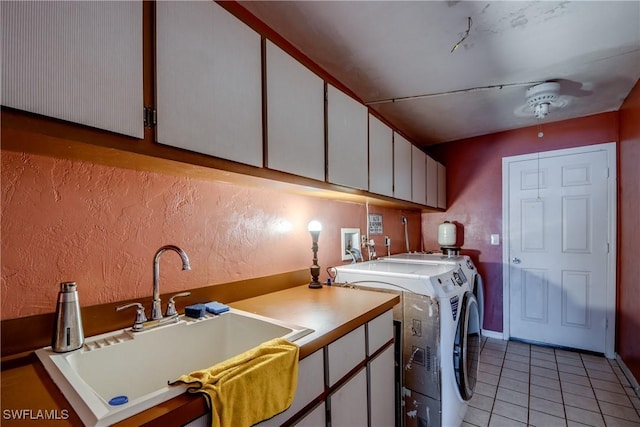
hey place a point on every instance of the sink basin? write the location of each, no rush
(138, 365)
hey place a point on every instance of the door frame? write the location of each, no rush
(610, 303)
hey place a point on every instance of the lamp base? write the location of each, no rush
(315, 285)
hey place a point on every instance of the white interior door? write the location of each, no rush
(559, 238)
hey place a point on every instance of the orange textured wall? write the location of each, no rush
(474, 190)
(628, 319)
(101, 226)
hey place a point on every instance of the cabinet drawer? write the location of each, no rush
(380, 331)
(345, 354)
(310, 386)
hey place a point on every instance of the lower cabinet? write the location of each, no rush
(381, 375)
(348, 405)
(350, 382)
(310, 387)
(317, 417)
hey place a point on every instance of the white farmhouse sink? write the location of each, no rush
(138, 365)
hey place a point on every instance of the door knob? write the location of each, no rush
(515, 260)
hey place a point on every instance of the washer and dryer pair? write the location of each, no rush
(440, 332)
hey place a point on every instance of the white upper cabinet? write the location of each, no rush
(347, 146)
(209, 81)
(401, 167)
(295, 116)
(418, 176)
(75, 61)
(432, 182)
(380, 157)
(442, 186)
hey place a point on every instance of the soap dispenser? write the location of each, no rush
(67, 332)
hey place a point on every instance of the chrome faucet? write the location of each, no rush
(156, 308)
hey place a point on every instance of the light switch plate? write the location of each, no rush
(495, 239)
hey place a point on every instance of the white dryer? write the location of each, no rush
(440, 335)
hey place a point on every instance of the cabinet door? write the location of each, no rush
(347, 155)
(295, 116)
(401, 167)
(75, 61)
(418, 176)
(442, 186)
(345, 353)
(315, 418)
(310, 386)
(380, 157)
(382, 389)
(349, 403)
(379, 332)
(209, 81)
(432, 182)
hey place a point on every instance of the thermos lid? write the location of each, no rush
(68, 287)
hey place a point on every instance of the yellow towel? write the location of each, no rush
(251, 387)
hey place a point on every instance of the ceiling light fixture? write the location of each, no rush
(541, 97)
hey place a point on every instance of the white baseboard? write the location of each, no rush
(492, 334)
(627, 373)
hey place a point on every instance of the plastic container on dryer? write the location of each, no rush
(447, 234)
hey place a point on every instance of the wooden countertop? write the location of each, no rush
(28, 392)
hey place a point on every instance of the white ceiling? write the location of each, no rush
(384, 50)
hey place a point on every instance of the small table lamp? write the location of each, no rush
(314, 228)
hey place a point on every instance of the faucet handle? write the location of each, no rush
(140, 316)
(171, 305)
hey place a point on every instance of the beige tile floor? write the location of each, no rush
(528, 385)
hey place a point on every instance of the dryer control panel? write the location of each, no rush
(451, 282)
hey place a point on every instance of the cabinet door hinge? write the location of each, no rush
(150, 117)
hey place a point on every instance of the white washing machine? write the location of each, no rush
(463, 261)
(440, 335)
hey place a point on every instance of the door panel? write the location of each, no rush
(576, 224)
(535, 291)
(532, 225)
(558, 249)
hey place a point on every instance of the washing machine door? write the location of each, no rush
(466, 351)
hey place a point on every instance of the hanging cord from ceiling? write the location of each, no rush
(466, 34)
(451, 92)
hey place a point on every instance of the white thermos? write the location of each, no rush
(67, 332)
(447, 234)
